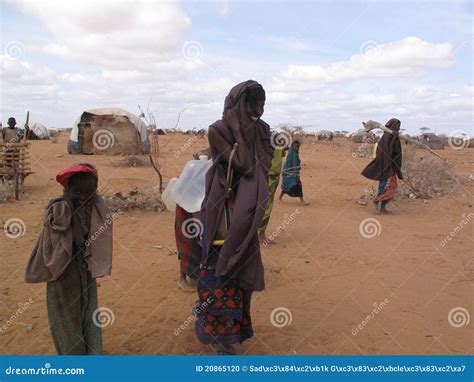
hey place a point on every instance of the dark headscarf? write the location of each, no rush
(239, 257)
(256, 131)
(393, 124)
(388, 155)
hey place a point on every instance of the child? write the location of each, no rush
(73, 249)
(291, 184)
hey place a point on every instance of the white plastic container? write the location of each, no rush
(167, 198)
(188, 191)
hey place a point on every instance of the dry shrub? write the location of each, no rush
(7, 192)
(135, 200)
(53, 133)
(132, 161)
(426, 175)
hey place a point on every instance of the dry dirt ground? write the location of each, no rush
(322, 274)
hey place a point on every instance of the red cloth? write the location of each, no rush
(63, 176)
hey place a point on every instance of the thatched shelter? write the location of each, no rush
(109, 131)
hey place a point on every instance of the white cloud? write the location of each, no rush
(404, 57)
(112, 34)
(131, 52)
(291, 43)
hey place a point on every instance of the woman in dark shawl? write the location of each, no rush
(291, 184)
(387, 165)
(233, 207)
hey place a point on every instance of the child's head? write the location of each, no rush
(81, 188)
(79, 182)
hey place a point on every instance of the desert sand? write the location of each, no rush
(321, 270)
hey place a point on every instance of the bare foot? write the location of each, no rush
(185, 287)
(191, 281)
(375, 205)
(224, 349)
(384, 211)
(303, 202)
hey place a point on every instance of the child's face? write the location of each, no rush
(81, 191)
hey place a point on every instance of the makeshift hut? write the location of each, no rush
(110, 131)
(37, 131)
(325, 135)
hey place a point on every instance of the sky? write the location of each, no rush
(326, 65)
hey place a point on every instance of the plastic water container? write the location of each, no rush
(167, 198)
(189, 189)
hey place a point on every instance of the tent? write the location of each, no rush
(325, 135)
(109, 131)
(38, 131)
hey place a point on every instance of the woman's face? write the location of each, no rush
(296, 147)
(255, 111)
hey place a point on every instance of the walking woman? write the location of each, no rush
(234, 204)
(387, 166)
(291, 184)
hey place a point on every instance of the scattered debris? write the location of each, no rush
(131, 161)
(135, 200)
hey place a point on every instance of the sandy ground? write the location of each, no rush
(321, 270)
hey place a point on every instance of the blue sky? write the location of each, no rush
(330, 64)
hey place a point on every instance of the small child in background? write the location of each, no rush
(73, 249)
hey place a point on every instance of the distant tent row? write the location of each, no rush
(109, 131)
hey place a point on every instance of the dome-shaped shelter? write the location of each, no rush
(110, 131)
(38, 131)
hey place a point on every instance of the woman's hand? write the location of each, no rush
(231, 120)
